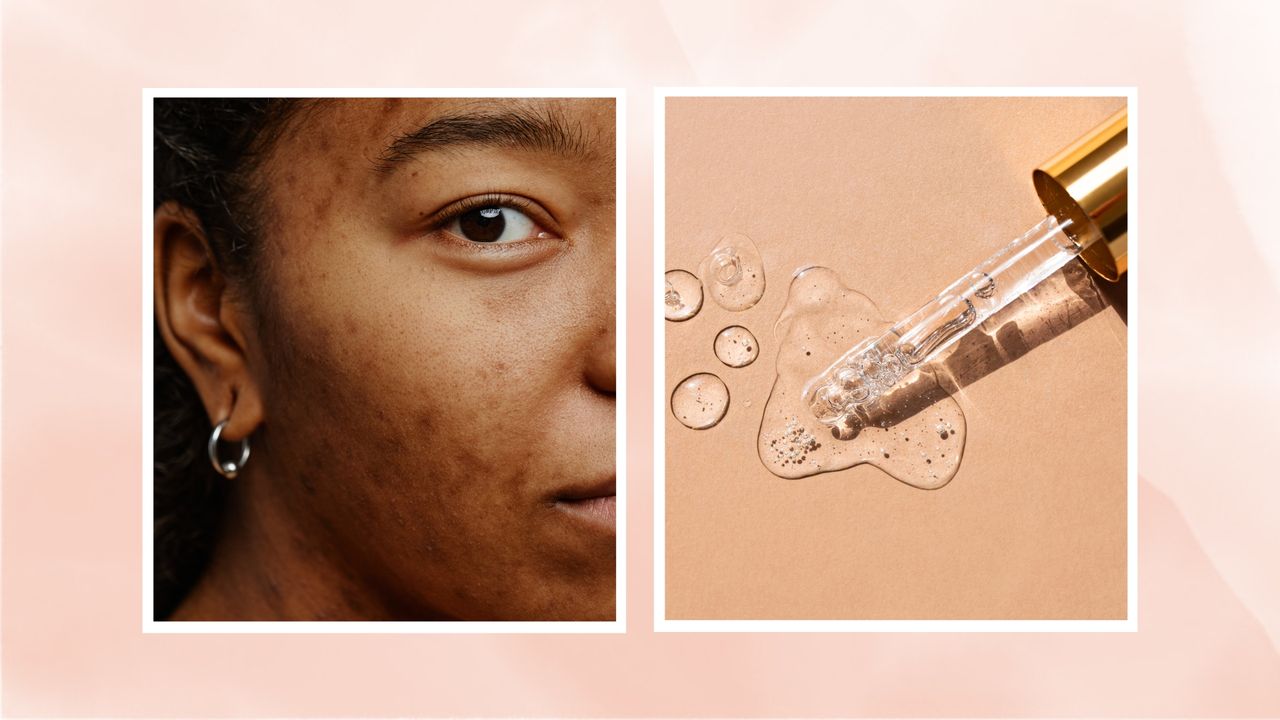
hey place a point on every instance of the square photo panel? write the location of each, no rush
(382, 393)
(895, 368)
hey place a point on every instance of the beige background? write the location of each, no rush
(900, 196)
(72, 475)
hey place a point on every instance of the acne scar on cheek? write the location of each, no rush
(321, 208)
(322, 335)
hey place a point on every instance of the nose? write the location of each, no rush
(601, 367)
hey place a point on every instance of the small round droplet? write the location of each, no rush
(736, 346)
(733, 273)
(700, 401)
(683, 296)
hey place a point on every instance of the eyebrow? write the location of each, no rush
(527, 129)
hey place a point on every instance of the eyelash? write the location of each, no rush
(451, 212)
(476, 202)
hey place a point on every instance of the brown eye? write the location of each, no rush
(493, 224)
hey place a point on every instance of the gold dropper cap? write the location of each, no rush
(1088, 184)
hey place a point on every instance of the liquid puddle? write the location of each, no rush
(683, 297)
(700, 401)
(733, 273)
(736, 346)
(917, 432)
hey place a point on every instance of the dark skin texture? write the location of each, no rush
(425, 411)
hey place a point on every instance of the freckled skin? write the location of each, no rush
(424, 403)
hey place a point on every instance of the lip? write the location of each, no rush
(593, 503)
(599, 511)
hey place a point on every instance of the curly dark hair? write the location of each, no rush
(208, 154)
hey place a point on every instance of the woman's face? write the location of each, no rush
(435, 351)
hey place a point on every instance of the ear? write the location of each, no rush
(202, 325)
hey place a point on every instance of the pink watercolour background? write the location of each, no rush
(1209, 549)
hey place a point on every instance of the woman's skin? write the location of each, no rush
(431, 417)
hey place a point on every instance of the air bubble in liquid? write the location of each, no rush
(736, 346)
(918, 432)
(733, 273)
(683, 296)
(700, 401)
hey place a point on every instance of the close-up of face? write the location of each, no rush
(421, 356)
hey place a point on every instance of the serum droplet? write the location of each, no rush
(821, 321)
(736, 346)
(683, 297)
(700, 401)
(733, 273)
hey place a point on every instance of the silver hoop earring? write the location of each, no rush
(227, 469)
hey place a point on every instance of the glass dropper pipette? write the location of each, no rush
(1085, 190)
(850, 389)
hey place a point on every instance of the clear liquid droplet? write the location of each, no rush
(733, 273)
(683, 296)
(826, 319)
(700, 401)
(736, 346)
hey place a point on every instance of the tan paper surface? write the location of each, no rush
(900, 196)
